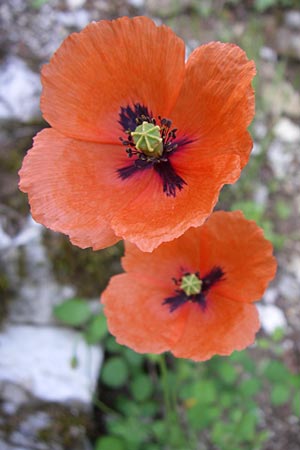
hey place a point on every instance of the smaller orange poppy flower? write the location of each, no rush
(193, 296)
(141, 142)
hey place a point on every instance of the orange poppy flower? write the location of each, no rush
(193, 296)
(141, 143)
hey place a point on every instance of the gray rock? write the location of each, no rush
(37, 359)
(289, 288)
(261, 194)
(292, 19)
(37, 291)
(75, 4)
(287, 131)
(268, 54)
(12, 396)
(20, 91)
(281, 99)
(44, 427)
(288, 43)
(271, 317)
(280, 158)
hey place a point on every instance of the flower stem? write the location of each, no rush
(166, 390)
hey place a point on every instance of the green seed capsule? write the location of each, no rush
(147, 139)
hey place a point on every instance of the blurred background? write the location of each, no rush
(66, 384)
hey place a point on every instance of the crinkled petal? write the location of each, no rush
(239, 247)
(136, 316)
(107, 66)
(219, 329)
(62, 179)
(151, 217)
(216, 102)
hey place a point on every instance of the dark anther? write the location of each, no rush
(130, 118)
(208, 281)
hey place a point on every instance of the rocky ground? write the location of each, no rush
(44, 403)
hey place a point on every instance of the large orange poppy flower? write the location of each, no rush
(193, 296)
(141, 143)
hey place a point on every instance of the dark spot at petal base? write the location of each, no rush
(208, 281)
(171, 180)
(129, 116)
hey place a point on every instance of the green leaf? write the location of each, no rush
(276, 371)
(141, 388)
(198, 420)
(283, 209)
(280, 394)
(96, 329)
(109, 443)
(247, 426)
(227, 373)
(114, 372)
(133, 358)
(296, 404)
(250, 387)
(74, 311)
(112, 346)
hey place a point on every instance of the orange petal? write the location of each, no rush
(61, 177)
(136, 316)
(106, 66)
(216, 103)
(151, 218)
(167, 261)
(222, 327)
(238, 246)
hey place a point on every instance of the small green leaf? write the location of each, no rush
(296, 404)
(141, 388)
(74, 311)
(280, 394)
(275, 371)
(250, 387)
(247, 426)
(115, 372)
(133, 358)
(109, 443)
(96, 329)
(227, 373)
(112, 346)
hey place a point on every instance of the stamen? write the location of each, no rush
(194, 289)
(150, 144)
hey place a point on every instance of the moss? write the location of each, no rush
(87, 270)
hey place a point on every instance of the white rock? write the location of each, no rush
(38, 360)
(77, 19)
(280, 159)
(37, 292)
(20, 91)
(289, 288)
(270, 295)
(260, 129)
(294, 267)
(287, 131)
(75, 4)
(261, 195)
(268, 54)
(292, 19)
(271, 317)
(5, 239)
(281, 98)
(136, 3)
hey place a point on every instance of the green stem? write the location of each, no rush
(103, 407)
(166, 390)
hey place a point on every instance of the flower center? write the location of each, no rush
(150, 144)
(192, 288)
(147, 138)
(191, 284)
